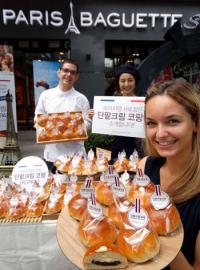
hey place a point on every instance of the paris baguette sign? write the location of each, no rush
(87, 19)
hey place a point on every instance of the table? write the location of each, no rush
(25, 246)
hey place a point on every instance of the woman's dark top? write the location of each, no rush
(189, 210)
(128, 144)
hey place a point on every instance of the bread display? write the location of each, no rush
(140, 245)
(58, 127)
(81, 165)
(92, 230)
(104, 256)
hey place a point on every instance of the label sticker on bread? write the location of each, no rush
(137, 216)
(159, 199)
(142, 180)
(59, 127)
(95, 209)
(118, 188)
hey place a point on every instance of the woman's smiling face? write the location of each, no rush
(127, 84)
(169, 127)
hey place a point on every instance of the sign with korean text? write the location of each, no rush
(122, 116)
(30, 171)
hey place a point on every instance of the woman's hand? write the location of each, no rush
(90, 113)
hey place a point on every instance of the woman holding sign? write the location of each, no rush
(126, 79)
(172, 125)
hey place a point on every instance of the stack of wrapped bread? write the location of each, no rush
(124, 163)
(20, 204)
(82, 165)
(120, 224)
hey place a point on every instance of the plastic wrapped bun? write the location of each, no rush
(142, 188)
(92, 231)
(138, 245)
(104, 256)
(164, 221)
(118, 211)
(77, 206)
(104, 193)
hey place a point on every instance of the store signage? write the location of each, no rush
(123, 116)
(193, 22)
(88, 19)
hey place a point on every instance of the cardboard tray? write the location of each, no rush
(53, 119)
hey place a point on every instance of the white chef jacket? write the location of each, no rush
(55, 100)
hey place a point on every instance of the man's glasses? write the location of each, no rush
(69, 71)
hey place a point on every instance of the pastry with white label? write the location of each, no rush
(104, 256)
(117, 212)
(142, 187)
(138, 245)
(94, 230)
(77, 206)
(104, 193)
(164, 221)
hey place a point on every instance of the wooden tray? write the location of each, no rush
(72, 247)
(63, 139)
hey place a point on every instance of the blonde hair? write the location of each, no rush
(187, 184)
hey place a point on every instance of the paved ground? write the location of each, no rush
(28, 145)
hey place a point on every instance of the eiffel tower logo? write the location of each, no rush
(72, 26)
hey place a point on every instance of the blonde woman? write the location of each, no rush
(172, 125)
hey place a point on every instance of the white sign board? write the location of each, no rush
(29, 171)
(122, 116)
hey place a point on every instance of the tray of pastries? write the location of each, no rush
(59, 127)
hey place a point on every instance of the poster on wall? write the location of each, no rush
(122, 116)
(6, 58)
(7, 83)
(44, 76)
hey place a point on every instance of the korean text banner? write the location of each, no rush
(122, 116)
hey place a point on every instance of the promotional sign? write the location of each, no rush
(30, 171)
(122, 116)
(44, 76)
(7, 84)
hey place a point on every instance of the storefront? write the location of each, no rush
(99, 35)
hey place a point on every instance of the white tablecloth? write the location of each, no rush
(31, 247)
